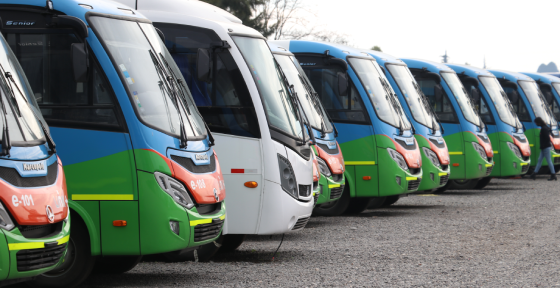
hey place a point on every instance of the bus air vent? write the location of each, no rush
(33, 259)
(524, 168)
(208, 231)
(40, 231)
(413, 184)
(443, 179)
(304, 190)
(209, 209)
(300, 223)
(188, 164)
(12, 176)
(337, 192)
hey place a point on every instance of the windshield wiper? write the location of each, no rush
(390, 97)
(469, 99)
(317, 102)
(435, 118)
(518, 123)
(165, 85)
(6, 143)
(184, 95)
(316, 106)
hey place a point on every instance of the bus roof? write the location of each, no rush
(336, 50)
(511, 76)
(469, 70)
(432, 66)
(384, 57)
(546, 78)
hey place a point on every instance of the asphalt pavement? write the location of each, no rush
(506, 235)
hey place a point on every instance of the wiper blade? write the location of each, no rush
(389, 96)
(315, 97)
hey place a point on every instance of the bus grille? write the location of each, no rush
(300, 223)
(413, 184)
(34, 259)
(443, 179)
(556, 160)
(188, 164)
(12, 176)
(208, 231)
(525, 168)
(304, 190)
(489, 170)
(337, 192)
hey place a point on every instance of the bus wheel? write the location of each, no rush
(201, 254)
(231, 242)
(377, 202)
(391, 200)
(116, 264)
(334, 208)
(78, 262)
(483, 182)
(442, 189)
(463, 184)
(358, 205)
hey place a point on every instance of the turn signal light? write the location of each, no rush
(366, 178)
(455, 164)
(119, 223)
(251, 184)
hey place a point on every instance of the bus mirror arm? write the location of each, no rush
(79, 61)
(203, 64)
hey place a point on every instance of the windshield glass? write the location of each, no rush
(537, 102)
(387, 108)
(407, 85)
(137, 50)
(312, 108)
(22, 123)
(274, 93)
(501, 102)
(554, 104)
(462, 97)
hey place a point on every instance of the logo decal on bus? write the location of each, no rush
(20, 23)
(199, 157)
(34, 166)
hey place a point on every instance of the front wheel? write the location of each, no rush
(358, 205)
(231, 242)
(483, 182)
(334, 208)
(201, 254)
(117, 264)
(463, 184)
(391, 200)
(378, 202)
(78, 262)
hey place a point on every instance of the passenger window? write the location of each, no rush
(225, 102)
(345, 109)
(438, 99)
(517, 103)
(46, 60)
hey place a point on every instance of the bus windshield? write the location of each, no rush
(554, 104)
(313, 110)
(144, 64)
(501, 102)
(462, 97)
(540, 109)
(408, 86)
(18, 100)
(278, 106)
(382, 96)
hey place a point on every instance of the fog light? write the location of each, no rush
(174, 225)
(514, 165)
(398, 180)
(432, 176)
(480, 167)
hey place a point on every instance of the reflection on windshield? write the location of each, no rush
(18, 110)
(462, 98)
(501, 102)
(537, 102)
(555, 107)
(387, 108)
(311, 110)
(406, 83)
(134, 48)
(277, 104)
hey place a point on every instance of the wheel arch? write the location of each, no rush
(350, 183)
(78, 211)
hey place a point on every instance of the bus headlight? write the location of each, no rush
(287, 176)
(175, 189)
(323, 167)
(5, 220)
(515, 149)
(432, 156)
(397, 157)
(480, 150)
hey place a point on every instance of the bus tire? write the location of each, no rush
(203, 253)
(334, 208)
(391, 200)
(231, 242)
(462, 184)
(78, 262)
(377, 202)
(116, 264)
(358, 205)
(483, 182)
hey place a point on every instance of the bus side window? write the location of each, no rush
(46, 60)
(438, 99)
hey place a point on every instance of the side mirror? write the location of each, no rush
(342, 83)
(79, 61)
(203, 65)
(438, 93)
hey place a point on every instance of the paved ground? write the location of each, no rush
(506, 235)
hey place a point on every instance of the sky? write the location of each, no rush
(512, 35)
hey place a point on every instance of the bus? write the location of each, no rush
(511, 149)
(381, 156)
(326, 150)
(470, 149)
(529, 103)
(428, 132)
(34, 218)
(142, 175)
(241, 93)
